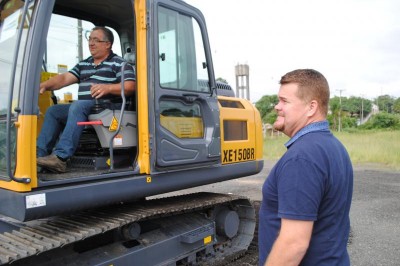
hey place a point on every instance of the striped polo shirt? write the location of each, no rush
(107, 72)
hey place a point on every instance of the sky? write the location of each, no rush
(355, 44)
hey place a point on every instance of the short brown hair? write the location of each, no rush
(312, 86)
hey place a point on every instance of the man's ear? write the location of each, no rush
(312, 108)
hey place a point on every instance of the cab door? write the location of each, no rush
(186, 112)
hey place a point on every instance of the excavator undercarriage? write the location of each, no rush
(193, 229)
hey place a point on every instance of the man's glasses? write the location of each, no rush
(95, 40)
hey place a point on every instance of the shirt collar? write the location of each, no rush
(110, 55)
(313, 127)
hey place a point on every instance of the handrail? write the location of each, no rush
(90, 123)
(111, 144)
(10, 98)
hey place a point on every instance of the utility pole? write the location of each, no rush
(340, 110)
(362, 109)
(80, 49)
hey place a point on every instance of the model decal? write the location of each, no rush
(238, 155)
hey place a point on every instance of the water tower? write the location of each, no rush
(242, 81)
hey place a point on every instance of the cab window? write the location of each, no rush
(182, 60)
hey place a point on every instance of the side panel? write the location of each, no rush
(26, 167)
(67, 199)
(241, 131)
(186, 111)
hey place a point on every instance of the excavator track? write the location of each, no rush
(34, 238)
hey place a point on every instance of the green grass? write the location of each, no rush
(274, 147)
(382, 147)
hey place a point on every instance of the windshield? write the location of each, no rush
(11, 13)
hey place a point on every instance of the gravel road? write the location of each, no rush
(375, 212)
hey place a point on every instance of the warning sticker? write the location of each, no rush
(62, 68)
(118, 140)
(114, 124)
(207, 240)
(33, 201)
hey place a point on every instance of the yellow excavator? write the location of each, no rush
(181, 129)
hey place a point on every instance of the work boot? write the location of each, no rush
(52, 163)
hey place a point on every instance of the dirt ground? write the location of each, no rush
(375, 213)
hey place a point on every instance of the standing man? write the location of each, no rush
(99, 76)
(304, 215)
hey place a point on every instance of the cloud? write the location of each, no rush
(354, 43)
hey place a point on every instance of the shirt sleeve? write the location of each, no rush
(129, 72)
(76, 71)
(300, 190)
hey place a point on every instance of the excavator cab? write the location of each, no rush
(46, 40)
(109, 139)
(182, 121)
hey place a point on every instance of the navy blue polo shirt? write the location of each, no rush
(313, 181)
(108, 72)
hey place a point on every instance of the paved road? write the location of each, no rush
(375, 217)
(375, 211)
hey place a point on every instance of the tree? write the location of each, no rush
(266, 105)
(367, 106)
(383, 121)
(352, 105)
(385, 103)
(334, 106)
(396, 106)
(357, 105)
(349, 122)
(222, 80)
(270, 118)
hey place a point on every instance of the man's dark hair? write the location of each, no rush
(107, 33)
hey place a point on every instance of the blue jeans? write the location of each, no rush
(60, 123)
